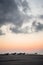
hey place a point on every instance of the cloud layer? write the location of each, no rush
(19, 12)
(37, 26)
(1, 33)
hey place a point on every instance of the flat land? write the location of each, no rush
(21, 59)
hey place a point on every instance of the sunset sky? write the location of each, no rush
(21, 26)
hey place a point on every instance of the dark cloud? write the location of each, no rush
(1, 33)
(15, 30)
(19, 30)
(41, 16)
(24, 5)
(9, 13)
(37, 26)
(6, 10)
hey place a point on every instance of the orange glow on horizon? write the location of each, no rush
(22, 43)
(21, 46)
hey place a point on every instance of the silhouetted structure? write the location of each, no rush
(6, 54)
(21, 54)
(36, 53)
(13, 53)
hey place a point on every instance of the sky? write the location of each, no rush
(21, 26)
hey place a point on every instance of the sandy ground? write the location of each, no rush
(21, 60)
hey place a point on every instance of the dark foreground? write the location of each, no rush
(21, 59)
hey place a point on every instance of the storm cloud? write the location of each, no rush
(18, 30)
(37, 26)
(40, 16)
(9, 12)
(17, 13)
(6, 10)
(23, 5)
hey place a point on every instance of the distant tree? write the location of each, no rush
(13, 53)
(6, 54)
(21, 54)
(36, 53)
